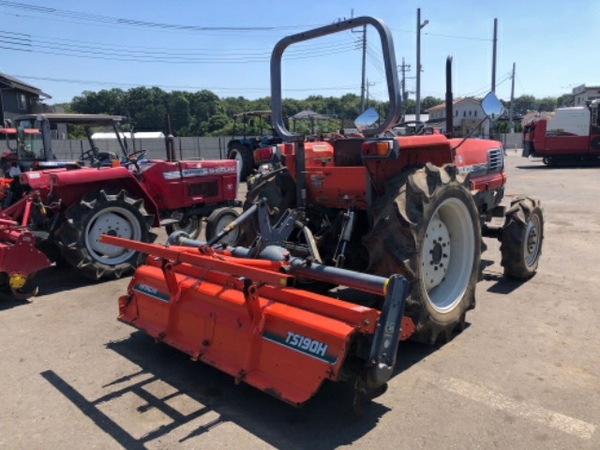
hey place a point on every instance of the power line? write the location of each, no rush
(178, 87)
(96, 18)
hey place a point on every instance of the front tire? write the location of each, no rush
(217, 221)
(427, 228)
(522, 237)
(116, 214)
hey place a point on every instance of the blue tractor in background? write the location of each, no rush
(254, 123)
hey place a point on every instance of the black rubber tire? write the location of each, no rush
(29, 290)
(429, 211)
(114, 213)
(192, 226)
(522, 238)
(243, 154)
(218, 220)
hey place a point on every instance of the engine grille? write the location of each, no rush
(210, 189)
(495, 160)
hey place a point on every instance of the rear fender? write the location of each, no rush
(70, 186)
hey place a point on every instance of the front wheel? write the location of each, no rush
(104, 212)
(426, 228)
(522, 237)
(218, 220)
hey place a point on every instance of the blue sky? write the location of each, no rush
(67, 47)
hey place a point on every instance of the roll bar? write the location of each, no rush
(389, 60)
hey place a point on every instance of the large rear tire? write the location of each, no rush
(243, 155)
(427, 228)
(104, 212)
(522, 237)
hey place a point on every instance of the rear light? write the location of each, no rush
(263, 155)
(378, 149)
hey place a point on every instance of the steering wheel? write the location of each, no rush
(133, 158)
(418, 124)
(90, 155)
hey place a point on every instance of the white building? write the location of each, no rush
(468, 118)
(584, 93)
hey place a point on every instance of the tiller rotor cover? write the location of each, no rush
(243, 316)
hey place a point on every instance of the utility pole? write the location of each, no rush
(364, 62)
(418, 93)
(403, 69)
(511, 125)
(494, 55)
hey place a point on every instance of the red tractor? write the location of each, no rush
(68, 205)
(395, 220)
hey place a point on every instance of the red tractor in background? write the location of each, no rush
(569, 135)
(394, 221)
(68, 205)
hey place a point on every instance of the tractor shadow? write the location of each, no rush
(500, 283)
(327, 421)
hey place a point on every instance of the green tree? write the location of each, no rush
(547, 104)
(179, 111)
(565, 100)
(524, 103)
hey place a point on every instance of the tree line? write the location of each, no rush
(203, 113)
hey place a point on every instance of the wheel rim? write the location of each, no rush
(113, 221)
(232, 237)
(532, 241)
(240, 160)
(447, 254)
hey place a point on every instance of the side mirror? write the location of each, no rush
(492, 107)
(366, 119)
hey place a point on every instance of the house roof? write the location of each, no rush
(455, 101)
(15, 83)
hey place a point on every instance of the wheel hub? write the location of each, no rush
(436, 253)
(114, 225)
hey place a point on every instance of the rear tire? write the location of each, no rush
(104, 212)
(217, 221)
(522, 237)
(243, 154)
(427, 228)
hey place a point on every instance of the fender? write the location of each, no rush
(70, 185)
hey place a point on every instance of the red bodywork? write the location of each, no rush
(18, 255)
(536, 142)
(161, 184)
(332, 185)
(182, 184)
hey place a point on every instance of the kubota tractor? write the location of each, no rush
(397, 221)
(68, 205)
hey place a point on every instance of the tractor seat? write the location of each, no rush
(347, 151)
